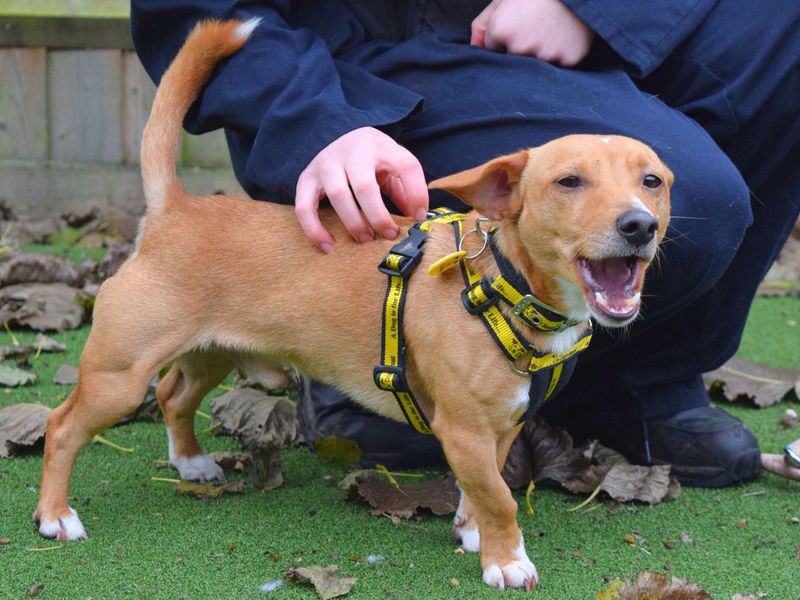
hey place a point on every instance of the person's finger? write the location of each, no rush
(306, 208)
(480, 24)
(336, 188)
(368, 195)
(414, 200)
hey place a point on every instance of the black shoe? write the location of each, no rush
(706, 446)
(324, 411)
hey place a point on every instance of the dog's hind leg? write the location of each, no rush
(179, 394)
(101, 398)
(474, 458)
(132, 337)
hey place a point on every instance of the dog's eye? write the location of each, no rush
(651, 181)
(571, 181)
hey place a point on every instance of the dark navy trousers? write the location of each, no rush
(721, 109)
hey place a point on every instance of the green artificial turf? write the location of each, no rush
(148, 541)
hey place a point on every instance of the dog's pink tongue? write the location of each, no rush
(612, 275)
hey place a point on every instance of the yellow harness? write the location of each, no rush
(548, 371)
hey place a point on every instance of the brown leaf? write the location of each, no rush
(41, 343)
(118, 253)
(324, 580)
(762, 385)
(625, 482)
(353, 478)
(209, 491)
(66, 375)
(14, 377)
(255, 419)
(231, 461)
(42, 306)
(45, 344)
(21, 425)
(267, 470)
(439, 495)
(653, 586)
(542, 451)
(40, 268)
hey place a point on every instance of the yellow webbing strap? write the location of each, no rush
(543, 361)
(398, 264)
(554, 379)
(492, 317)
(528, 311)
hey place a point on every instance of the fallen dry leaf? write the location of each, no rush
(653, 586)
(338, 450)
(267, 471)
(41, 343)
(439, 495)
(542, 451)
(231, 461)
(21, 426)
(42, 306)
(66, 375)
(324, 580)
(762, 385)
(40, 268)
(256, 419)
(353, 478)
(14, 377)
(208, 490)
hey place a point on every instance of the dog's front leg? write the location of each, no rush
(474, 458)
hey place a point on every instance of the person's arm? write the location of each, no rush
(305, 112)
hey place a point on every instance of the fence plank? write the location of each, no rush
(23, 104)
(136, 101)
(85, 105)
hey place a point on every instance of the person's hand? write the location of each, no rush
(545, 29)
(351, 172)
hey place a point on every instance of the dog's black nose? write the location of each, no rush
(637, 226)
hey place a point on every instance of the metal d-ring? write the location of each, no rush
(483, 235)
(518, 371)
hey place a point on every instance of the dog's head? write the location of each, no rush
(588, 211)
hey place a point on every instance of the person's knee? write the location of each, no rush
(710, 215)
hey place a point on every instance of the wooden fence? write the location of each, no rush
(73, 103)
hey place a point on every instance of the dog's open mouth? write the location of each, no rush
(612, 286)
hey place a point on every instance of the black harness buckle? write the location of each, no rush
(404, 256)
(485, 286)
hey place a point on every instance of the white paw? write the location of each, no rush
(65, 528)
(197, 468)
(466, 533)
(519, 573)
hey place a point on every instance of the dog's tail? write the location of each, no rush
(208, 43)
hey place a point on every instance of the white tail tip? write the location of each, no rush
(245, 30)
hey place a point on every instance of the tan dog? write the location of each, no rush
(220, 282)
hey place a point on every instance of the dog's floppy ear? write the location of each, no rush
(489, 188)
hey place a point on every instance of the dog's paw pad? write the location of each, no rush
(66, 528)
(198, 468)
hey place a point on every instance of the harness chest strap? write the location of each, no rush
(398, 264)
